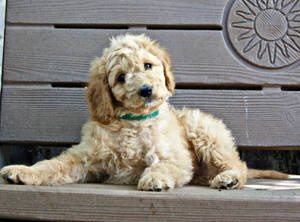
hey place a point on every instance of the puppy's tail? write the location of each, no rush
(267, 174)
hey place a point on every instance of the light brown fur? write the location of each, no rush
(175, 148)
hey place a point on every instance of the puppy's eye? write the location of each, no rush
(121, 78)
(147, 66)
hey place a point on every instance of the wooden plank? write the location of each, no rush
(55, 115)
(273, 184)
(64, 55)
(105, 12)
(257, 118)
(2, 28)
(91, 202)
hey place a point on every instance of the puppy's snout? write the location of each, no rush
(145, 91)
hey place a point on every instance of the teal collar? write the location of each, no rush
(141, 117)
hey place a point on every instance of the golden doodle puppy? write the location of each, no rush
(135, 137)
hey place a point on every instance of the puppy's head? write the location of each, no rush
(134, 75)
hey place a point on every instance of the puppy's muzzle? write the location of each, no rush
(145, 91)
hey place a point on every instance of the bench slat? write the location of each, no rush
(106, 12)
(64, 55)
(95, 202)
(257, 118)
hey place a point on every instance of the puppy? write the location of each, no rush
(135, 137)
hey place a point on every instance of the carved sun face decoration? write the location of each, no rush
(265, 33)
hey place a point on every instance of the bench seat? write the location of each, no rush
(262, 200)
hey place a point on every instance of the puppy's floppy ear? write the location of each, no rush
(166, 61)
(170, 82)
(98, 94)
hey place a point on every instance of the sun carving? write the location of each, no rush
(265, 33)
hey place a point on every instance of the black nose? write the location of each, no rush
(145, 91)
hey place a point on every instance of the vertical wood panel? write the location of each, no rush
(2, 28)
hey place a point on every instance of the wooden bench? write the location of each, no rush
(235, 59)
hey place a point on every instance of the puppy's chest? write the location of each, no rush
(136, 144)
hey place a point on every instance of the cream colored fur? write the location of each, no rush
(175, 148)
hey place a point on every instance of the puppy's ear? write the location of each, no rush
(166, 61)
(98, 94)
(170, 82)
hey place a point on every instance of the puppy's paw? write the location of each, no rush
(154, 181)
(226, 180)
(20, 174)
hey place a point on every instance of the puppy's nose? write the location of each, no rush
(145, 91)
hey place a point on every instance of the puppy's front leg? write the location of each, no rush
(70, 167)
(164, 175)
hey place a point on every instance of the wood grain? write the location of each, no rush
(256, 118)
(91, 202)
(55, 115)
(105, 12)
(63, 55)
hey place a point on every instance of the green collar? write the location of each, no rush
(141, 117)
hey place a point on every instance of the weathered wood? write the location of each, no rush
(274, 184)
(2, 28)
(105, 12)
(56, 115)
(257, 118)
(91, 202)
(64, 55)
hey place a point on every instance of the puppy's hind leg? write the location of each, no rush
(215, 147)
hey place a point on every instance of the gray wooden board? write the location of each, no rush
(64, 55)
(52, 115)
(133, 12)
(92, 202)
(257, 118)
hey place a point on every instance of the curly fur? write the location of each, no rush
(175, 148)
